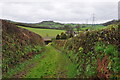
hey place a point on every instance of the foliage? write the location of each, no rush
(90, 70)
(112, 52)
(99, 47)
(18, 45)
(82, 63)
(63, 36)
(57, 37)
(22, 66)
(88, 47)
(78, 28)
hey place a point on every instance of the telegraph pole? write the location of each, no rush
(93, 19)
(86, 22)
(119, 10)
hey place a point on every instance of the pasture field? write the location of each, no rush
(95, 27)
(45, 33)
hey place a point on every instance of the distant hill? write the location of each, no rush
(111, 22)
(44, 24)
(49, 25)
(18, 45)
(57, 25)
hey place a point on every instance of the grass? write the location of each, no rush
(96, 27)
(54, 65)
(45, 33)
(52, 25)
(72, 70)
(49, 64)
(51, 33)
(22, 66)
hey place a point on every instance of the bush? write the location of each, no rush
(111, 51)
(63, 36)
(90, 70)
(57, 37)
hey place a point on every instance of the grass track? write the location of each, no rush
(54, 65)
(21, 67)
(49, 64)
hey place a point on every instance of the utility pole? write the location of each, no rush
(86, 22)
(93, 19)
(119, 10)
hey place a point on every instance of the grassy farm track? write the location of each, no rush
(52, 64)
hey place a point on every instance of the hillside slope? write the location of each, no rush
(111, 22)
(43, 24)
(49, 24)
(18, 45)
(95, 53)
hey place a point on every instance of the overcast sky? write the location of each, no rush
(65, 11)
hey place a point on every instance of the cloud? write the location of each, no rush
(71, 11)
(59, 0)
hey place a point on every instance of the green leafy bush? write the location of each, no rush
(90, 70)
(112, 52)
(99, 47)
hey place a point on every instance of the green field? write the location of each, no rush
(51, 33)
(45, 33)
(95, 27)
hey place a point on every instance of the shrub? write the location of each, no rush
(63, 36)
(111, 51)
(90, 70)
(57, 37)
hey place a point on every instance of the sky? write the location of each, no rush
(64, 11)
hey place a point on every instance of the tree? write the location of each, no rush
(57, 37)
(78, 28)
(66, 27)
(69, 30)
(71, 35)
(63, 36)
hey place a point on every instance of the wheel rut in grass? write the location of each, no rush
(54, 65)
(27, 69)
